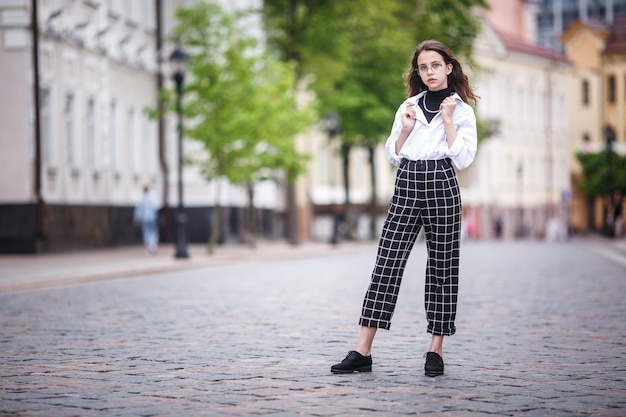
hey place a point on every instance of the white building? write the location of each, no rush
(73, 182)
(521, 173)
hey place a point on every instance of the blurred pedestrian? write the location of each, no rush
(338, 223)
(498, 227)
(434, 128)
(471, 229)
(146, 215)
(553, 229)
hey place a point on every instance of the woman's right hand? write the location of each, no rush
(408, 118)
(408, 122)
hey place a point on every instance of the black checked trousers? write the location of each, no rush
(426, 195)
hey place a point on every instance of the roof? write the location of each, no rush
(514, 43)
(600, 29)
(613, 36)
(616, 42)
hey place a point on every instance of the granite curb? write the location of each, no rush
(30, 272)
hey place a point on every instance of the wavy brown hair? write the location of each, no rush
(456, 79)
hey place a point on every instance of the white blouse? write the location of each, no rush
(428, 140)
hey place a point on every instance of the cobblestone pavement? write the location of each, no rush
(540, 332)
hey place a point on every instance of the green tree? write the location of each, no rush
(312, 35)
(604, 176)
(369, 44)
(452, 22)
(239, 101)
(367, 95)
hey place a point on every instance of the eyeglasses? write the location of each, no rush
(423, 69)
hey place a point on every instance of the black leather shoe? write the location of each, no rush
(354, 362)
(434, 364)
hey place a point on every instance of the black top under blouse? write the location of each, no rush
(433, 100)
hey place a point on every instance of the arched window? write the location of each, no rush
(68, 118)
(611, 88)
(585, 92)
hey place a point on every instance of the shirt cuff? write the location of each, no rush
(456, 147)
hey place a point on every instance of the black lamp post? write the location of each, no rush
(178, 60)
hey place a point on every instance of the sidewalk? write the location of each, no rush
(26, 272)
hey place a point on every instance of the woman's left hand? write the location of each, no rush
(447, 108)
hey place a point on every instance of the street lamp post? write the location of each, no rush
(178, 60)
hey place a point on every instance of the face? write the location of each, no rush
(433, 70)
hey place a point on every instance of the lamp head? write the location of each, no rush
(178, 61)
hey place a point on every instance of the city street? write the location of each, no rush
(541, 331)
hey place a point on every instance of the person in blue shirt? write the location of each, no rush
(146, 215)
(434, 131)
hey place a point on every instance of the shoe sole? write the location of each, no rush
(350, 371)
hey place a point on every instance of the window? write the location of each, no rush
(45, 127)
(520, 105)
(90, 133)
(68, 116)
(148, 14)
(585, 92)
(132, 146)
(611, 88)
(112, 137)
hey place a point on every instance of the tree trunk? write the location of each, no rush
(215, 221)
(251, 218)
(345, 153)
(291, 211)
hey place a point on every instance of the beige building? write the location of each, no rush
(598, 53)
(520, 180)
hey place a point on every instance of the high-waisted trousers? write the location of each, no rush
(426, 195)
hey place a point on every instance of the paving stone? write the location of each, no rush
(540, 333)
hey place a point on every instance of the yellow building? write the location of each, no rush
(598, 55)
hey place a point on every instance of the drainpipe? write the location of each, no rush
(39, 223)
(549, 141)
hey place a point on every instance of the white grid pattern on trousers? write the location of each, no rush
(426, 195)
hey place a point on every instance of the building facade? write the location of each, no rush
(77, 145)
(521, 174)
(555, 16)
(598, 53)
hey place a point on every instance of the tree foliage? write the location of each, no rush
(240, 102)
(356, 53)
(604, 173)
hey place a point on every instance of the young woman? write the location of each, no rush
(434, 128)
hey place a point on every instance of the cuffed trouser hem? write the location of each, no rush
(379, 324)
(448, 332)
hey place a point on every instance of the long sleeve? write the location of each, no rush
(427, 141)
